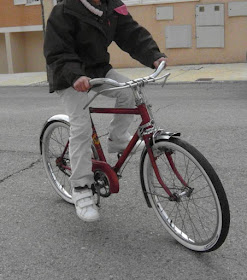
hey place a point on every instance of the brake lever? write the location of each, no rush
(91, 100)
(166, 77)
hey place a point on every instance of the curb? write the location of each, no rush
(206, 82)
(180, 74)
(45, 84)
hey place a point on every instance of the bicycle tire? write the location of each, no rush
(54, 141)
(199, 222)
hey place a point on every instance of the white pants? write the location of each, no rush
(81, 131)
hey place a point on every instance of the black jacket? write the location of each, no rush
(76, 41)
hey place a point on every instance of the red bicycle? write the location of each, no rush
(177, 181)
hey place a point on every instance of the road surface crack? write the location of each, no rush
(31, 165)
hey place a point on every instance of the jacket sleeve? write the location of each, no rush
(59, 49)
(137, 41)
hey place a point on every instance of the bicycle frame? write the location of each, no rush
(146, 130)
(147, 133)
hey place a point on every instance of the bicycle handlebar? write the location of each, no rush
(132, 83)
(101, 81)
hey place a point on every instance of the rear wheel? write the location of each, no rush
(55, 154)
(199, 218)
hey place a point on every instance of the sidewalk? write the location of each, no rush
(179, 74)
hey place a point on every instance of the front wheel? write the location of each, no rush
(199, 218)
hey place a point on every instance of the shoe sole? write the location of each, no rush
(87, 220)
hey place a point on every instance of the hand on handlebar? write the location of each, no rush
(158, 61)
(82, 84)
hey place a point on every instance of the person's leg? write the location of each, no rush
(118, 130)
(80, 153)
(80, 137)
(119, 136)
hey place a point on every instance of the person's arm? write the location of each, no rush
(59, 47)
(137, 41)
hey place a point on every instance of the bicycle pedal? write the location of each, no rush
(98, 197)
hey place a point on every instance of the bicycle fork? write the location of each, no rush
(148, 131)
(172, 196)
(155, 168)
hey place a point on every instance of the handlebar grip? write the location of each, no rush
(160, 68)
(101, 81)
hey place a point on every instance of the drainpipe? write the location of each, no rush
(43, 15)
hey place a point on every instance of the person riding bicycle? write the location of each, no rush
(77, 37)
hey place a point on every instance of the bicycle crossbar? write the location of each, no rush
(122, 111)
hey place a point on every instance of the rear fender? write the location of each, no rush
(56, 118)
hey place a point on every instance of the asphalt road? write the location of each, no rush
(42, 238)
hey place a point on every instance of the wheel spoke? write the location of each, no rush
(55, 141)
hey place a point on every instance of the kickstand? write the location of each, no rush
(97, 190)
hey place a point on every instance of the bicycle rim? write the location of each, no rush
(55, 139)
(199, 221)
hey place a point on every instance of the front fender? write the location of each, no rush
(55, 118)
(164, 135)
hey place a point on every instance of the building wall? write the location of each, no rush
(23, 51)
(17, 42)
(48, 5)
(3, 55)
(235, 48)
(27, 51)
(35, 61)
(21, 38)
(19, 15)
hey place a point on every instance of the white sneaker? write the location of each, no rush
(85, 207)
(118, 146)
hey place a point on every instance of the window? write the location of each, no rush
(146, 2)
(32, 2)
(19, 2)
(27, 2)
